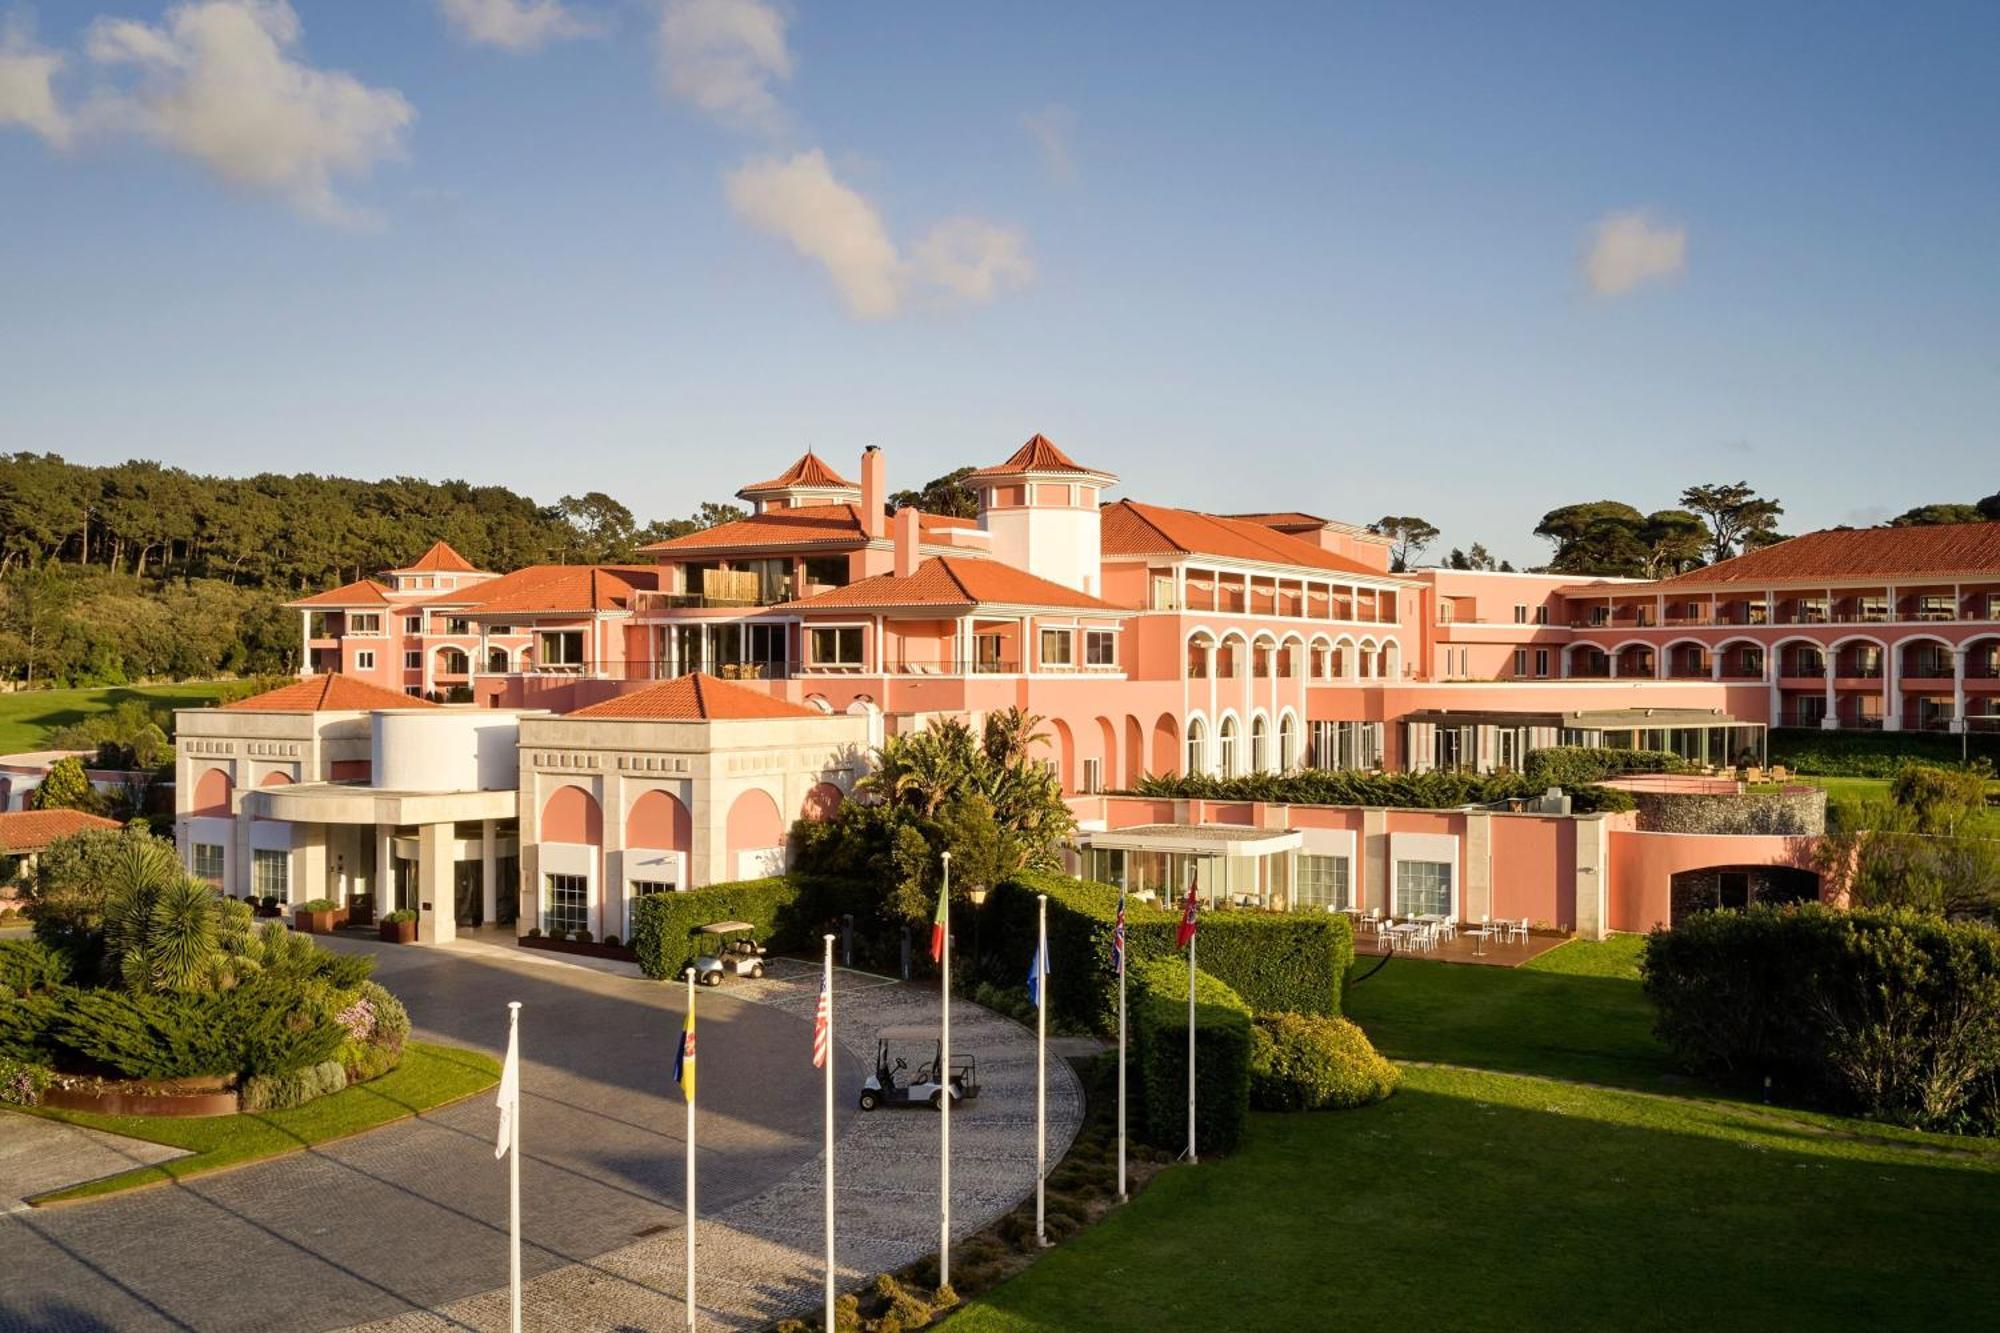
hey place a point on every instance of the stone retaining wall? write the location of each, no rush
(1794, 812)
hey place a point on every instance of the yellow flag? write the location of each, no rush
(684, 1061)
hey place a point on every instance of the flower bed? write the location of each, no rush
(214, 1095)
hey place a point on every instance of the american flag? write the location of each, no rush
(822, 1027)
(1118, 938)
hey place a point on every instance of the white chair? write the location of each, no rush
(1517, 931)
(1447, 929)
(1374, 922)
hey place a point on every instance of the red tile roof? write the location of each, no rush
(33, 830)
(1942, 551)
(806, 525)
(329, 693)
(694, 698)
(809, 470)
(1039, 454)
(944, 581)
(562, 589)
(439, 559)
(365, 592)
(1131, 528)
(1285, 519)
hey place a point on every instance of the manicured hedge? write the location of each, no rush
(1871, 754)
(1222, 1057)
(1437, 789)
(666, 926)
(1276, 961)
(30, 965)
(1889, 1014)
(1576, 765)
(1308, 1062)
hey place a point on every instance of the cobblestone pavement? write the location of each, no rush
(759, 1258)
(37, 1156)
(413, 1215)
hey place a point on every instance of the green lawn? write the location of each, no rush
(429, 1077)
(1502, 1200)
(28, 716)
(1986, 823)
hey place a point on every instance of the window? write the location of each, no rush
(645, 888)
(413, 661)
(1100, 648)
(365, 660)
(566, 905)
(1197, 747)
(413, 624)
(1225, 748)
(1542, 615)
(1521, 613)
(499, 629)
(1093, 776)
(1541, 661)
(1600, 615)
(1058, 648)
(1520, 661)
(826, 570)
(364, 622)
(271, 874)
(560, 648)
(208, 862)
(1260, 745)
(837, 646)
(1321, 882)
(457, 625)
(1423, 888)
(1288, 744)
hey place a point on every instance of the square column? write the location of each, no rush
(1831, 721)
(1958, 688)
(1892, 690)
(437, 906)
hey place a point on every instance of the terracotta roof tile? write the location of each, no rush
(439, 559)
(562, 589)
(809, 470)
(1939, 551)
(944, 581)
(1131, 528)
(33, 830)
(694, 698)
(1039, 454)
(363, 592)
(328, 693)
(807, 525)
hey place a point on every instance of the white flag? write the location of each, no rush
(509, 1100)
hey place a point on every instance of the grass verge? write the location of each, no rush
(27, 717)
(428, 1077)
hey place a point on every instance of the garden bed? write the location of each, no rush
(214, 1095)
(591, 950)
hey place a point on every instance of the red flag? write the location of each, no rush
(822, 1030)
(1188, 927)
(937, 930)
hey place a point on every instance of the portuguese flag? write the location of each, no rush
(938, 928)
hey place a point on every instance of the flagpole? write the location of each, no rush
(514, 1180)
(1192, 938)
(689, 1210)
(1041, 1070)
(1121, 1047)
(944, 1077)
(827, 985)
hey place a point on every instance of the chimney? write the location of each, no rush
(874, 490)
(907, 532)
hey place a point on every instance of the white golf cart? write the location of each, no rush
(734, 957)
(894, 1083)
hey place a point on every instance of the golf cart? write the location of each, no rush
(894, 1083)
(738, 957)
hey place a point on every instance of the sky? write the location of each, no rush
(1467, 262)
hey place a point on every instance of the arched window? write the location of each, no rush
(1197, 747)
(1197, 663)
(1288, 743)
(1225, 748)
(1260, 745)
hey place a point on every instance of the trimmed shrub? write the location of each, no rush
(1581, 765)
(1309, 1062)
(280, 1092)
(1280, 961)
(1595, 800)
(317, 905)
(26, 1027)
(581, 936)
(1890, 1014)
(404, 915)
(1159, 1017)
(1438, 789)
(30, 965)
(666, 926)
(1871, 754)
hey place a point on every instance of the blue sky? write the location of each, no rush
(1256, 256)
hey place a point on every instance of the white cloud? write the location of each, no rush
(1052, 128)
(1629, 249)
(972, 260)
(723, 56)
(798, 200)
(516, 25)
(27, 92)
(217, 81)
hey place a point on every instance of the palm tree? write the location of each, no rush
(160, 924)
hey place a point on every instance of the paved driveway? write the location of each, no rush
(414, 1215)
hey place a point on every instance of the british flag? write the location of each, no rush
(822, 1027)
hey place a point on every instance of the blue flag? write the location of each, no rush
(1037, 971)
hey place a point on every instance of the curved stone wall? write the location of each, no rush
(1793, 812)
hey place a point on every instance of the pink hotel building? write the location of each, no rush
(1154, 640)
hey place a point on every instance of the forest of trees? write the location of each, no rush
(138, 571)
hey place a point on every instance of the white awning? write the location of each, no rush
(1227, 840)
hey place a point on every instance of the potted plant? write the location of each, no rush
(267, 906)
(315, 917)
(399, 926)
